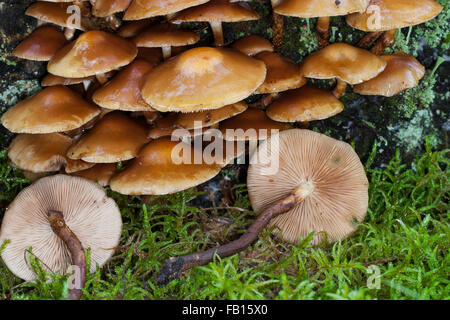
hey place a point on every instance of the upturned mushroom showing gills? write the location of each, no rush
(321, 9)
(92, 53)
(391, 15)
(215, 12)
(344, 62)
(202, 78)
(59, 218)
(402, 72)
(302, 182)
(54, 109)
(41, 45)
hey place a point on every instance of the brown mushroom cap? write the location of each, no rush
(52, 80)
(163, 126)
(88, 212)
(395, 14)
(52, 12)
(165, 34)
(123, 92)
(252, 44)
(105, 8)
(282, 73)
(100, 173)
(335, 174)
(340, 60)
(307, 103)
(133, 28)
(54, 109)
(247, 126)
(319, 8)
(402, 72)
(94, 52)
(154, 172)
(116, 137)
(216, 10)
(41, 45)
(39, 152)
(202, 78)
(209, 117)
(140, 9)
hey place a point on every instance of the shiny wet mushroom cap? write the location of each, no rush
(41, 45)
(116, 137)
(202, 78)
(105, 8)
(402, 72)
(87, 211)
(343, 61)
(123, 92)
(252, 44)
(319, 8)
(94, 52)
(395, 14)
(337, 186)
(160, 169)
(140, 9)
(304, 104)
(54, 109)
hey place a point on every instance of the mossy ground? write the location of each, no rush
(406, 232)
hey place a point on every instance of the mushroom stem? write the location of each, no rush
(173, 267)
(102, 78)
(367, 40)
(264, 101)
(385, 41)
(216, 27)
(113, 22)
(69, 33)
(322, 30)
(339, 89)
(75, 247)
(277, 39)
(167, 52)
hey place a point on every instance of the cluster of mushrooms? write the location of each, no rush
(115, 100)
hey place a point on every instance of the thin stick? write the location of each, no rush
(75, 247)
(173, 267)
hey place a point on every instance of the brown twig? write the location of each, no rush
(173, 267)
(75, 247)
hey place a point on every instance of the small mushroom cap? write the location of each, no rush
(203, 78)
(52, 12)
(332, 169)
(216, 10)
(100, 173)
(41, 45)
(73, 166)
(52, 80)
(39, 152)
(123, 92)
(282, 73)
(252, 124)
(402, 72)
(154, 171)
(54, 109)
(94, 52)
(93, 217)
(320, 8)
(307, 103)
(131, 29)
(105, 8)
(209, 117)
(395, 14)
(165, 34)
(116, 137)
(340, 60)
(252, 44)
(140, 9)
(163, 126)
